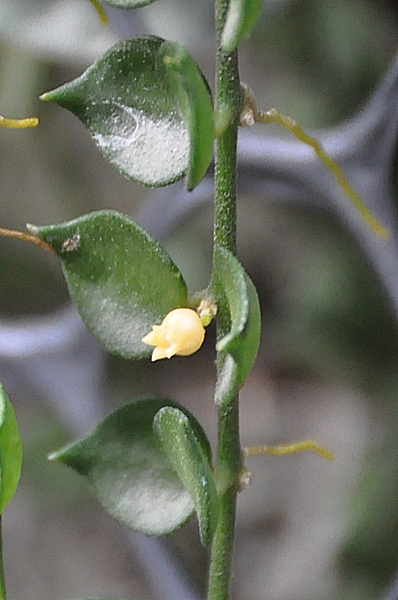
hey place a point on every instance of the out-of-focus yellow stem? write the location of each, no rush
(102, 14)
(293, 448)
(295, 129)
(252, 115)
(26, 238)
(18, 123)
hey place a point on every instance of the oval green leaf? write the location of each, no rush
(128, 470)
(191, 462)
(119, 277)
(124, 101)
(241, 17)
(235, 291)
(195, 103)
(137, 113)
(10, 451)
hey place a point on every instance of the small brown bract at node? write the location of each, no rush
(72, 244)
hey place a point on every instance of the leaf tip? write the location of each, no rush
(33, 229)
(46, 97)
(190, 186)
(54, 95)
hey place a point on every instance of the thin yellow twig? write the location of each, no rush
(101, 12)
(26, 238)
(293, 448)
(19, 123)
(251, 115)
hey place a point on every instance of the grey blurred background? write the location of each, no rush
(328, 364)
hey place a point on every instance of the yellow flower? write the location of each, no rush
(180, 333)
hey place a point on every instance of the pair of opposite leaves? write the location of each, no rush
(123, 282)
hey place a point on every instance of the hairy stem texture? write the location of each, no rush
(228, 464)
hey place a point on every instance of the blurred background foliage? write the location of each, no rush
(328, 366)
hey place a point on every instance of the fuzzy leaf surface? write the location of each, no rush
(10, 451)
(241, 17)
(119, 277)
(128, 470)
(235, 291)
(191, 462)
(145, 117)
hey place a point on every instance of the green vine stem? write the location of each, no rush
(228, 105)
(229, 460)
(228, 469)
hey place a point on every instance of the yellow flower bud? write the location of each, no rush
(180, 333)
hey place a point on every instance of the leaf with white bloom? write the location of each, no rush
(129, 472)
(147, 108)
(121, 280)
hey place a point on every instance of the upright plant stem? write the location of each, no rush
(228, 468)
(2, 582)
(227, 103)
(228, 465)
